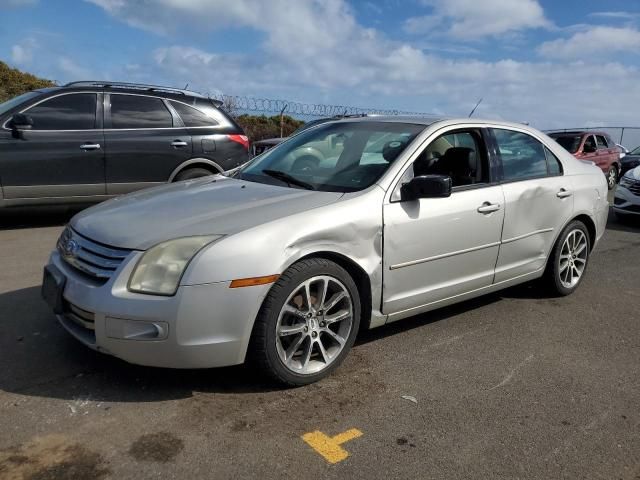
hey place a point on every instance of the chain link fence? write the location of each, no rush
(238, 105)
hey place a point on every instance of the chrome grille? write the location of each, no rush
(89, 257)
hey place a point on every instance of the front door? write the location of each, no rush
(145, 143)
(439, 248)
(61, 156)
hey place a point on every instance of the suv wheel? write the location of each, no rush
(307, 323)
(612, 177)
(191, 173)
(568, 261)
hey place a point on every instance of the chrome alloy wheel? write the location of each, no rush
(612, 177)
(573, 258)
(314, 325)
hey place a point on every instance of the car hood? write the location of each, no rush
(270, 141)
(634, 173)
(210, 205)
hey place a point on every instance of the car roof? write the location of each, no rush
(577, 132)
(125, 87)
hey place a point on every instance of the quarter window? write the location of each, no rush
(192, 117)
(602, 143)
(133, 111)
(522, 155)
(555, 167)
(65, 112)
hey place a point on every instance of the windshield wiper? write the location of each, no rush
(288, 179)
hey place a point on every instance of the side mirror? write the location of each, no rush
(20, 121)
(426, 186)
(588, 148)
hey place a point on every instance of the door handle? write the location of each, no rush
(488, 207)
(90, 146)
(563, 193)
(179, 143)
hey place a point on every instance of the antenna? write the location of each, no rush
(474, 108)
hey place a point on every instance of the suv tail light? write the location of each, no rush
(241, 139)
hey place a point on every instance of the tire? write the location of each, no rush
(612, 177)
(290, 344)
(191, 173)
(560, 265)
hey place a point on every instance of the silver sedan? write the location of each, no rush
(346, 226)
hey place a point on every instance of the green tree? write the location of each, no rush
(13, 82)
(259, 127)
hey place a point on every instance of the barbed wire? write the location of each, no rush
(235, 104)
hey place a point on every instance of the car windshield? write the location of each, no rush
(15, 101)
(310, 124)
(336, 157)
(635, 151)
(569, 142)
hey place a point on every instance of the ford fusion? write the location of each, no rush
(282, 262)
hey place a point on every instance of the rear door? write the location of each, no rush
(538, 203)
(589, 149)
(61, 156)
(145, 142)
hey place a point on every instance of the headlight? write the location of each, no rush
(161, 267)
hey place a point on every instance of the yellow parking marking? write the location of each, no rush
(329, 447)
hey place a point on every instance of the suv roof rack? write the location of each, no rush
(140, 86)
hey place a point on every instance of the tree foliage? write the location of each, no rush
(259, 127)
(13, 82)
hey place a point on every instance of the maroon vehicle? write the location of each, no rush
(596, 147)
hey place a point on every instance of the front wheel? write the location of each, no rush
(569, 258)
(307, 324)
(612, 177)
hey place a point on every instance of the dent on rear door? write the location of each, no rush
(534, 215)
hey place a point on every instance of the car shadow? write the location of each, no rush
(36, 217)
(630, 224)
(41, 359)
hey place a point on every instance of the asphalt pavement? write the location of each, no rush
(511, 385)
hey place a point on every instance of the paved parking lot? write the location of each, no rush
(513, 385)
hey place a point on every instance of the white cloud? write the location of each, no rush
(615, 15)
(315, 50)
(469, 19)
(72, 70)
(22, 53)
(593, 41)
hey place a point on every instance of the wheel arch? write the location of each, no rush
(210, 165)
(591, 227)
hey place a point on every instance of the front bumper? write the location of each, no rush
(625, 202)
(201, 326)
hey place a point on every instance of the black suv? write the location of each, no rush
(87, 141)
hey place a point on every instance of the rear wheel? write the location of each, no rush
(191, 173)
(569, 258)
(307, 324)
(612, 177)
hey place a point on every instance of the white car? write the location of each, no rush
(284, 265)
(626, 200)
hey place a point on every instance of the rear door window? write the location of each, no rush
(589, 143)
(192, 117)
(66, 112)
(522, 155)
(135, 111)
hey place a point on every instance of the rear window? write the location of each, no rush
(570, 143)
(602, 143)
(192, 117)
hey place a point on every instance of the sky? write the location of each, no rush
(554, 64)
